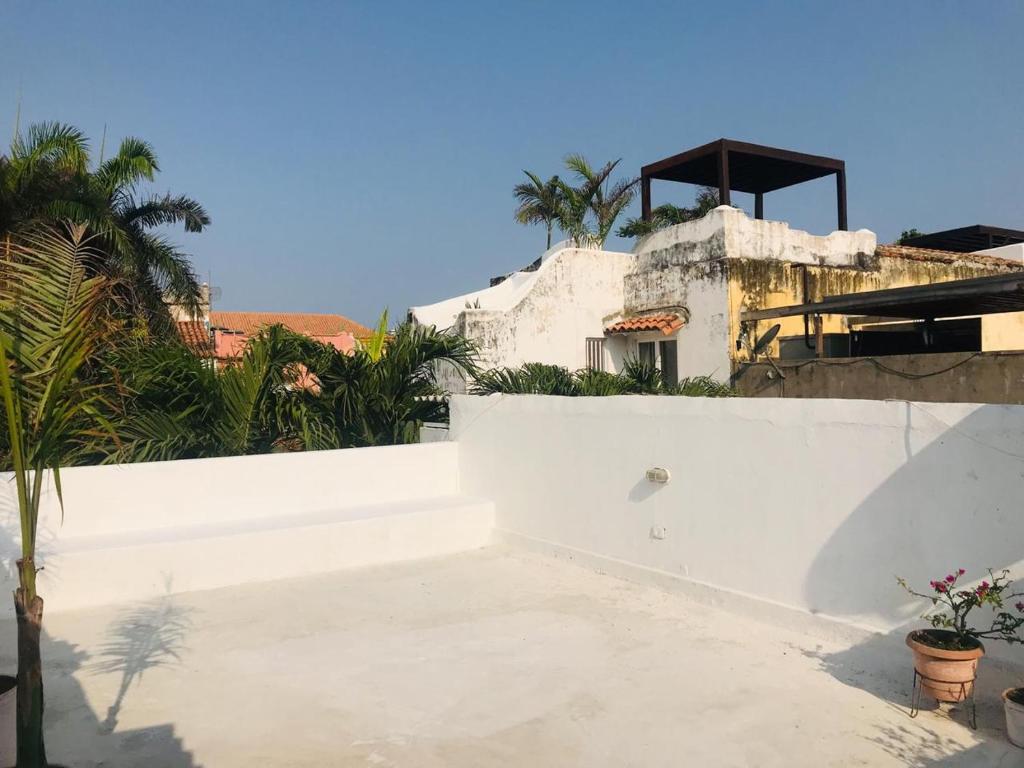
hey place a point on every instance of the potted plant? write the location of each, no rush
(946, 655)
(1013, 706)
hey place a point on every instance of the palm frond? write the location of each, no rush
(59, 144)
(135, 161)
(166, 209)
(53, 320)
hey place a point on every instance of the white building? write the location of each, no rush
(668, 301)
(677, 299)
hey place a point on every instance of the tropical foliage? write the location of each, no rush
(287, 392)
(47, 177)
(637, 378)
(669, 215)
(586, 210)
(908, 234)
(54, 322)
(539, 202)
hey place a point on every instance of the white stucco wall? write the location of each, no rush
(132, 531)
(568, 300)
(739, 236)
(811, 504)
(1015, 252)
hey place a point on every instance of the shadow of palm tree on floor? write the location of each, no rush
(145, 636)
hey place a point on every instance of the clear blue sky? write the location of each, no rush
(361, 155)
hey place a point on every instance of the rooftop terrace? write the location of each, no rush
(491, 658)
(523, 595)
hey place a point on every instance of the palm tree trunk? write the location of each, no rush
(29, 609)
(549, 237)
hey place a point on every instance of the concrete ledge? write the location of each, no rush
(90, 571)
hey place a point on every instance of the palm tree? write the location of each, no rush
(54, 319)
(46, 177)
(669, 215)
(173, 405)
(35, 173)
(156, 271)
(287, 392)
(385, 401)
(539, 202)
(596, 195)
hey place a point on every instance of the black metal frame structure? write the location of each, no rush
(977, 237)
(955, 298)
(736, 165)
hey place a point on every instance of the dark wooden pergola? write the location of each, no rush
(736, 165)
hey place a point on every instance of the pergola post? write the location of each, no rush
(723, 175)
(759, 205)
(841, 198)
(645, 198)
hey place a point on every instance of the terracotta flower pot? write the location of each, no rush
(1014, 708)
(946, 675)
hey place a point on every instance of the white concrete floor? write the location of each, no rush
(493, 658)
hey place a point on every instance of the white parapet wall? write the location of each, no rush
(813, 505)
(132, 532)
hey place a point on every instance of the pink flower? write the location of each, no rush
(940, 587)
(961, 572)
(951, 578)
(1020, 607)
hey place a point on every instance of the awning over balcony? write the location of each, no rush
(668, 323)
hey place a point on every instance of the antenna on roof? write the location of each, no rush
(17, 116)
(103, 142)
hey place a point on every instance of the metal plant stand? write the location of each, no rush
(966, 695)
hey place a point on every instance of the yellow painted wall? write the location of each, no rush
(762, 284)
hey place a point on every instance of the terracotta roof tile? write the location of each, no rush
(943, 257)
(196, 337)
(250, 323)
(666, 323)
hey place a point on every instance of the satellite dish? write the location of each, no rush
(766, 339)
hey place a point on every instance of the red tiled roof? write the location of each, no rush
(196, 337)
(943, 257)
(250, 323)
(666, 323)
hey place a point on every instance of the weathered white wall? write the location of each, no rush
(811, 504)
(727, 231)
(573, 294)
(132, 531)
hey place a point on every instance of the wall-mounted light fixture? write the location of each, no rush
(658, 475)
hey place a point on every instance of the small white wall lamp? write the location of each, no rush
(658, 475)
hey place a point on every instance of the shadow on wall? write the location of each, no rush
(952, 501)
(955, 503)
(145, 636)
